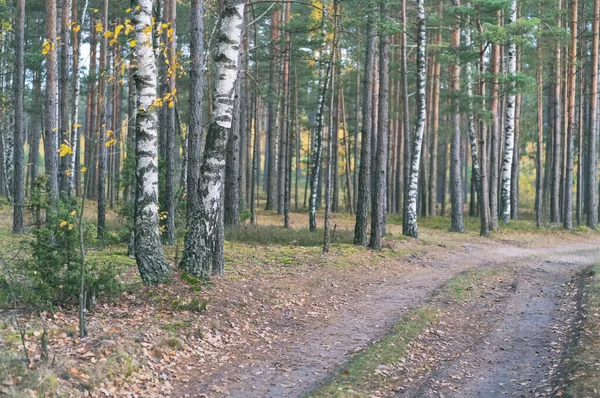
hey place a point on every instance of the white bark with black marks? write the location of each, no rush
(409, 227)
(149, 253)
(509, 131)
(204, 239)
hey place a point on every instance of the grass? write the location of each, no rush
(361, 375)
(583, 365)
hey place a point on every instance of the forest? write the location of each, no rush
(303, 198)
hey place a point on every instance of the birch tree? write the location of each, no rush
(409, 222)
(203, 245)
(479, 177)
(149, 254)
(509, 132)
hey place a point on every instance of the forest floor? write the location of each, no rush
(447, 315)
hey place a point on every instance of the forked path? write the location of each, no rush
(513, 359)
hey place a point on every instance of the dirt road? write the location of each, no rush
(512, 351)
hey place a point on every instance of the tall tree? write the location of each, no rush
(456, 195)
(149, 254)
(273, 105)
(509, 134)
(495, 132)
(592, 189)
(50, 122)
(19, 151)
(539, 186)
(170, 186)
(102, 104)
(364, 177)
(557, 127)
(66, 53)
(378, 207)
(204, 239)
(194, 131)
(572, 69)
(409, 222)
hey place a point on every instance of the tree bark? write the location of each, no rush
(557, 155)
(378, 208)
(409, 224)
(568, 194)
(149, 254)
(495, 133)
(364, 177)
(18, 141)
(171, 136)
(50, 122)
(66, 54)
(456, 194)
(539, 186)
(103, 104)
(592, 191)
(203, 245)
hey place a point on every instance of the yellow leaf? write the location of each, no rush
(45, 47)
(132, 43)
(128, 10)
(108, 34)
(94, 10)
(128, 28)
(108, 133)
(99, 27)
(62, 224)
(137, 8)
(73, 212)
(164, 25)
(70, 227)
(110, 142)
(118, 29)
(83, 169)
(171, 104)
(68, 172)
(76, 28)
(65, 150)
(76, 125)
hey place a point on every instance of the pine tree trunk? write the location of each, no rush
(539, 186)
(435, 122)
(592, 191)
(378, 208)
(232, 165)
(409, 224)
(568, 194)
(91, 115)
(149, 253)
(50, 122)
(103, 104)
(203, 246)
(171, 135)
(18, 141)
(273, 104)
(75, 173)
(557, 155)
(195, 135)
(34, 150)
(456, 194)
(364, 177)
(65, 114)
(495, 134)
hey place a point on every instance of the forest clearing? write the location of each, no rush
(299, 198)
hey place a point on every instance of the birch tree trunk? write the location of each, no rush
(18, 141)
(378, 208)
(203, 245)
(75, 132)
(478, 171)
(568, 194)
(149, 254)
(509, 133)
(195, 135)
(592, 191)
(409, 222)
(456, 195)
(50, 122)
(364, 176)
